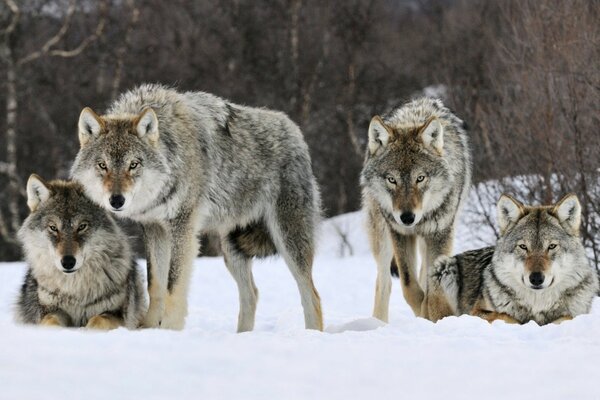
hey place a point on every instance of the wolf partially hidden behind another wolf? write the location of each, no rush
(180, 163)
(417, 173)
(538, 270)
(81, 268)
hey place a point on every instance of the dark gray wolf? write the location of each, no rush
(416, 174)
(538, 270)
(81, 269)
(183, 163)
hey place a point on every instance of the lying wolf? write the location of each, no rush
(81, 269)
(183, 163)
(538, 270)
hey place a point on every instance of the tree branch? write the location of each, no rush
(15, 17)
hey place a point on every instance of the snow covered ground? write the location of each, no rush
(357, 356)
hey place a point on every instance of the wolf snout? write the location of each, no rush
(536, 279)
(117, 201)
(407, 218)
(68, 263)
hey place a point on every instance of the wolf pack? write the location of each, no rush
(182, 164)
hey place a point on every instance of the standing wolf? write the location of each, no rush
(181, 163)
(537, 271)
(416, 174)
(81, 269)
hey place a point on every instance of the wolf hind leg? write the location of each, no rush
(240, 267)
(293, 231)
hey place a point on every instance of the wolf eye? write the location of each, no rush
(53, 228)
(102, 166)
(552, 246)
(391, 180)
(522, 246)
(82, 227)
(134, 165)
(420, 178)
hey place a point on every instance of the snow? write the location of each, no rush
(356, 357)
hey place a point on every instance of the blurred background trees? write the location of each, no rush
(524, 74)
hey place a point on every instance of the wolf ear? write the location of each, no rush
(379, 134)
(568, 211)
(89, 125)
(432, 134)
(147, 125)
(37, 192)
(509, 212)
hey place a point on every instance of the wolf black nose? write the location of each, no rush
(536, 278)
(117, 201)
(68, 262)
(407, 218)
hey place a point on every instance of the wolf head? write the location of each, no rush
(405, 170)
(119, 163)
(540, 246)
(61, 229)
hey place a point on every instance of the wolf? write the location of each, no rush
(416, 174)
(81, 269)
(181, 163)
(538, 270)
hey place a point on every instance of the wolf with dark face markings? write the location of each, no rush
(538, 270)
(181, 163)
(417, 173)
(81, 268)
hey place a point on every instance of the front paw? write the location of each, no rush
(52, 320)
(563, 319)
(103, 322)
(153, 318)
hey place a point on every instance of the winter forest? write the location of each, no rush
(523, 74)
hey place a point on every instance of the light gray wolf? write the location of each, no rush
(183, 163)
(416, 174)
(538, 270)
(81, 269)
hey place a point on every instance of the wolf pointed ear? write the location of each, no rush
(379, 134)
(568, 212)
(37, 192)
(509, 211)
(89, 125)
(147, 125)
(432, 134)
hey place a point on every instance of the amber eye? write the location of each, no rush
(53, 228)
(134, 165)
(522, 246)
(102, 166)
(391, 180)
(82, 227)
(552, 246)
(420, 178)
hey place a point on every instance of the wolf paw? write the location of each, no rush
(51, 320)
(103, 322)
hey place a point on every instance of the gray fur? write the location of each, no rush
(105, 280)
(405, 146)
(242, 172)
(496, 278)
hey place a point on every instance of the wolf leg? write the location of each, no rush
(56, 319)
(183, 252)
(562, 319)
(381, 246)
(432, 247)
(482, 310)
(441, 299)
(405, 249)
(240, 267)
(158, 255)
(104, 322)
(293, 231)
